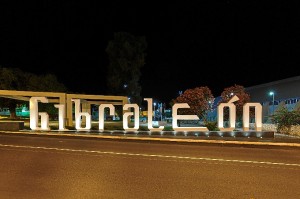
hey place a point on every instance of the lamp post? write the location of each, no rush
(161, 111)
(154, 104)
(209, 110)
(272, 94)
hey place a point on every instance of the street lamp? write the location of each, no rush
(154, 104)
(161, 111)
(272, 94)
(209, 110)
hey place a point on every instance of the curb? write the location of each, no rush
(173, 140)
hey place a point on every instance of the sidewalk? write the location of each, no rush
(278, 140)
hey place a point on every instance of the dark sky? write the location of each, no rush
(190, 44)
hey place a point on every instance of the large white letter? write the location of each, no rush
(128, 114)
(34, 114)
(232, 114)
(258, 116)
(78, 115)
(61, 116)
(101, 114)
(184, 117)
(150, 127)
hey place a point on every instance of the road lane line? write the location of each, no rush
(150, 155)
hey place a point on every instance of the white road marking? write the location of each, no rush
(150, 155)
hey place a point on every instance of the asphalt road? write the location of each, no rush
(62, 168)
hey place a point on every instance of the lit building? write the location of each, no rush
(276, 94)
(272, 95)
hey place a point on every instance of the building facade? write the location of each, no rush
(272, 96)
(276, 94)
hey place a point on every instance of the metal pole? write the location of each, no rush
(154, 111)
(273, 104)
(161, 112)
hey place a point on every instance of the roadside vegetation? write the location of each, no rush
(287, 122)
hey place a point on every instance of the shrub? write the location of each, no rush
(212, 125)
(285, 119)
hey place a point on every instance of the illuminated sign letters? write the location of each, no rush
(79, 115)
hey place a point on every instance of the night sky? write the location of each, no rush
(190, 44)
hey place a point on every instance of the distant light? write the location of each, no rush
(271, 93)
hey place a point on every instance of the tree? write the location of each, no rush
(285, 119)
(16, 79)
(9, 81)
(47, 83)
(126, 54)
(199, 99)
(240, 92)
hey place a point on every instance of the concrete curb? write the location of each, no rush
(174, 140)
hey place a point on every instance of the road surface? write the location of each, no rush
(62, 168)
